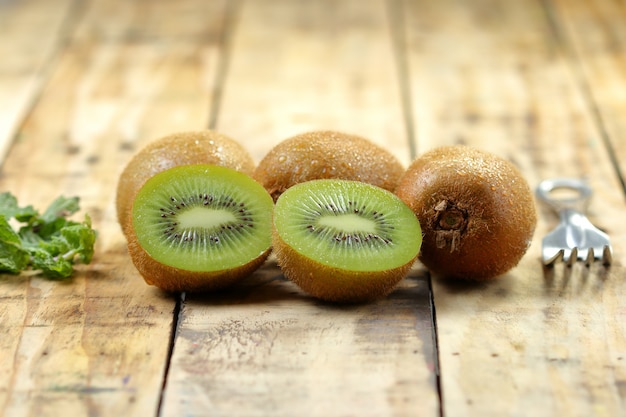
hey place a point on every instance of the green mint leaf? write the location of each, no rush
(13, 258)
(10, 209)
(60, 208)
(39, 230)
(50, 242)
(8, 205)
(54, 267)
(70, 242)
(81, 239)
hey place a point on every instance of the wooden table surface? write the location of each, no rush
(85, 84)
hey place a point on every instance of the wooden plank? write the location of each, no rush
(263, 348)
(309, 66)
(539, 342)
(98, 344)
(595, 36)
(30, 34)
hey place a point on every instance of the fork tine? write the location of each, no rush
(550, 259)
(590, 257)
(573, 256)
(607, 256)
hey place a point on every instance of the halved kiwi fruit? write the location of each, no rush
(327, 154)
(476, 210)
(344, 241)
(199, 227)
(184, 148)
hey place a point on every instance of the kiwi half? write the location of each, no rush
(327, 154)
(184, 148)
(199, 227)
(475, 208)
(344, 241)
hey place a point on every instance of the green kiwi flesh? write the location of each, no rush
(196, 223)
(343, 240)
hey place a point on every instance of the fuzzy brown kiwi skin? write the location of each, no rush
(173, 279)
(332, 284)
(184, 148)
(476, 210)
(327, 154)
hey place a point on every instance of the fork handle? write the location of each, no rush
(577, 203)
(571, 216)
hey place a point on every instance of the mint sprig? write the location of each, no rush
(50, 242)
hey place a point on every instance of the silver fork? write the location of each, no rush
(575, 237)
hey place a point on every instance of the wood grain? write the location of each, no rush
(595, 41)
(300, 66)
(264, 348)
(31, 33)
(537, 341)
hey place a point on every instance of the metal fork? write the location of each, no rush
(575, 237)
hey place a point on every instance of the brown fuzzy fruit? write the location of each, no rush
(327, 155)
(185, 148)
(476, 210)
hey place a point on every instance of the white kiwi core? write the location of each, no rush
(203, 218)
(348, 223)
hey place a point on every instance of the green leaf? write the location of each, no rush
(13, 258)
(60, 208)
(50, 242)
(10, 209)
(51, 266)
(81, 239)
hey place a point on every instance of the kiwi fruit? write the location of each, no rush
(184, 148)
(199, 228)
(344, 241)
(327, 154)
(476, 210)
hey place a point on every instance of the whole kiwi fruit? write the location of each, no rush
(344, 241)
(199, 228)
(323, 155)
(183, 148)
(476, 210)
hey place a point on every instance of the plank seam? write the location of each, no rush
(231, 16)
(566, 48)
(176, 320)
(43, 72)
(397, 25)
(435, 336)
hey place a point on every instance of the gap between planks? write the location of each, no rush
(567, 48)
